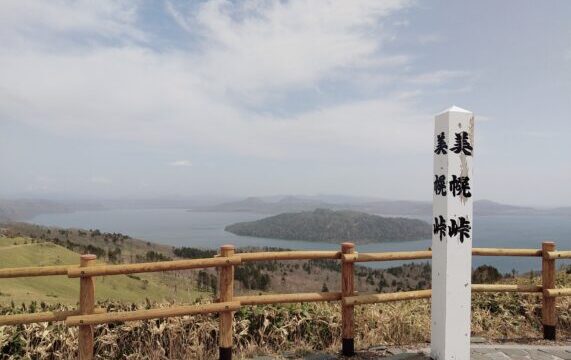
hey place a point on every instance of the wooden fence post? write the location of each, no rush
(548, 314)
(86, 306)
(226, 293)
(347, 289)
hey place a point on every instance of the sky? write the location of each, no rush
(260, 97)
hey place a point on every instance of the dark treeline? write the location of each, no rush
(193, 253)
(255, 276)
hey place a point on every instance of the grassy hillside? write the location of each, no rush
(111, 247)
(21, 252)
(279, 277)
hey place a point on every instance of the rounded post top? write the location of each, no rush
(227, 250)
(546, 247)
(86, 260)
(347, 245)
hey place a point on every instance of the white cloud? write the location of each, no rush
(181, 163)
(403, 23)
(46, 23)
(249, 56)
(178, 17)
(254, 48)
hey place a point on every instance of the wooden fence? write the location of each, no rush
(88, 315)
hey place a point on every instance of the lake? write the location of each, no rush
(179, 227)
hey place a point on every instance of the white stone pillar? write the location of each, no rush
(452, 234)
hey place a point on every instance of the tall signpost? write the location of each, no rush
(452, 234)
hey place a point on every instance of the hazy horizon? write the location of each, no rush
(217, 199)
(111, 100)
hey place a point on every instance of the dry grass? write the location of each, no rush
(275, 329)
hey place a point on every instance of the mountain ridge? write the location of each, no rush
(24, 209)
(380, 207)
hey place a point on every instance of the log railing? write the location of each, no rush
(88, 315)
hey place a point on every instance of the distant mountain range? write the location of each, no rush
(381, 207)
(24, 209)
(323, 225)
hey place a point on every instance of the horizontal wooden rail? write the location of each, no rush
(267, 299)
(74, 271)
(423, 294)
(35, 271)
(290, 255)
(485, 288)
(387, 256)
(380, 298)
(552, 255)
(427, 254)
(557, 292)
(506, 252)
(102, 270)
(48, 316)
(288, 298)
(173, 311)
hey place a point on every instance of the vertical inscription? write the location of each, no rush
(452, 234)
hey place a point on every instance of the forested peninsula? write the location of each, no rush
(323, 225)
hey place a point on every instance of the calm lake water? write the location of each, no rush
(179, 227)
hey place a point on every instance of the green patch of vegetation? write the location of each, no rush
(486, 274)
(111, 247)
(121, 288)
(152, 256)
(193, 253)
(13, 241)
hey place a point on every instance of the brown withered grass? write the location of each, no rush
(275, 329)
